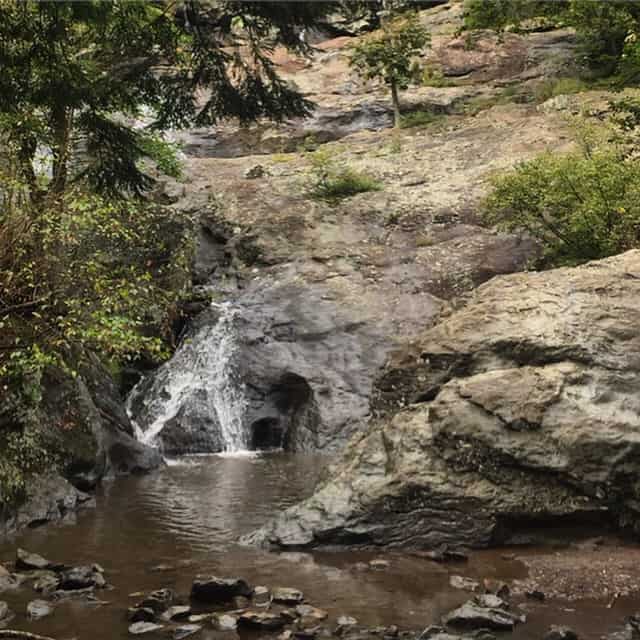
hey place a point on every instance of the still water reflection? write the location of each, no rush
(161, 530)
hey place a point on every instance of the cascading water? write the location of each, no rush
(203, 367)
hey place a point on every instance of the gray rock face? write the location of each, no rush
(523, 411)
(49, 498)
(286, 366)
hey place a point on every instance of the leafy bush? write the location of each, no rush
(499, 14)
(607, 31)
(418, 119)
(580, 206)
(389, 55)
(332, 181)
(164, 154)
(78, 275)
(552, 87)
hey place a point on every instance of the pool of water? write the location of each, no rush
(162, 529)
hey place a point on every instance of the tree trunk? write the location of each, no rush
(397, 118)
(61, 125)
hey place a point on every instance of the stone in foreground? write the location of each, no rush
(284, 595)
(212, 589)
(26, 561)
(473, 615)
(37, 609)
(261, 620)
(140, 628)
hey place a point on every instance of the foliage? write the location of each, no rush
(418, 119)
(500, 14)
(333, 181)
(76, 75)
(580, 206)
(389, 54)
(432, 77)
(88, 274)
(165, 155)
(552, 87)
(24, 452)
(607, 31)
(85, 275)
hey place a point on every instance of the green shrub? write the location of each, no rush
(435, 78)
(418, 119)
(164, 154)
(333, 181)
(552, 87)
(580, 206)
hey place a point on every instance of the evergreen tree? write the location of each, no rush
(75, 75)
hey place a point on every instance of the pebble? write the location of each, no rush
(37, 609)
(139, 628)
(284, 595)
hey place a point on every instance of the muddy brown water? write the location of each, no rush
(162, 529)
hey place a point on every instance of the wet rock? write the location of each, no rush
(140, 628)
(261, 596)
(72, 594)
(158, 600)
(289, 615)
(37, 609)
(535, 595)
(307, 612)
(176, 613)
(240, 602)
(443, 555)
(5, 612)
(224, 622)
(286, 635)
(186, 630)
(47, 582)
(560, 633)
(344, 624)
(379, 564)
(490, 601)
(496, 587)
(473, 615)
(283, 595)
(81, 578)
(212, 589)
(466, 584)
(437, 633)
(306, 633)
(26, 561)
(262, 620)
(141, 614)
(49, 498)
(530, 370)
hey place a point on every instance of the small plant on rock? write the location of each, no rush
(580, 206)
(389, 55)
(333, 181)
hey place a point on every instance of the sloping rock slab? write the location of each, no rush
(524, 412)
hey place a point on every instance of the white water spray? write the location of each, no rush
(203, 362)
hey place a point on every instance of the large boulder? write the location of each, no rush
(519, 410)
(49, 497)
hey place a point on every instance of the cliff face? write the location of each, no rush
(523, 412)
(327, 290)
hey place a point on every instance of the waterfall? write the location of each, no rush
(202, 366)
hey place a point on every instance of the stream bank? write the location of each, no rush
(164, 529)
